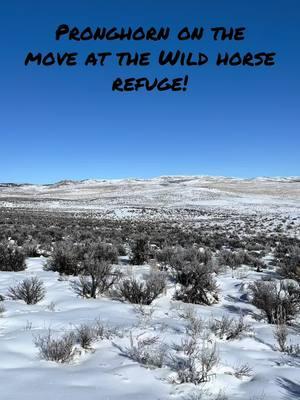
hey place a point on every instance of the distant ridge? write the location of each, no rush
(162, 178)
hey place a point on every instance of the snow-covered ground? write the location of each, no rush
(104, 373)
(259, 194)
(245, 207)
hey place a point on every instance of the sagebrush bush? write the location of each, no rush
(144, 314)
(146, 351)
(197, 284)
(12, 258)
(196, 328)
(279, 301)
(31, 248)
(176, 256)
(164, 256)
(66, 258)
(139, 250)
(280, 333)
(58, 349)
(98, 278)
(86, 335)
(102, 331)
(73, 259)
(229, 328)
(182, 255)
(241, 370)
(31, 290)
(289, 266)
(235, 259)
(83, 287)
(142, 292)
(196, 366)
(192, 362)
(103, 252)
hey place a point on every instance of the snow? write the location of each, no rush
(126, 198)
(105, 373)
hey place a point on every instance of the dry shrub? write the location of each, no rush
(195, 367)
(59, 349)
(289, 266)
(276, 300)
(12, 258)
(197, 284)
(229, 328)
(98, 278)
(242, 370)
(147, 351)
(31, 290)
(142, 292)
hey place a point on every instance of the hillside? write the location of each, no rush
(163, 192)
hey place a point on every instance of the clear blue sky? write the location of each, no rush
(63, 123)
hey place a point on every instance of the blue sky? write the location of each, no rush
(66, 123)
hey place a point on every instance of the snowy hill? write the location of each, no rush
(161, 192)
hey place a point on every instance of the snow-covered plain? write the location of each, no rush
(104, 373)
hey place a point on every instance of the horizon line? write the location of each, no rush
(72, 180)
